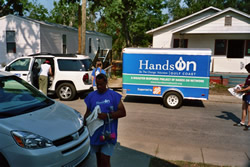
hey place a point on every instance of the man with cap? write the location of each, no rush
(43, 76)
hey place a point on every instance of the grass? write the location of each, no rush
(218, 89)
(156, 162)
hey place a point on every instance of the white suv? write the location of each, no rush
(71, 72)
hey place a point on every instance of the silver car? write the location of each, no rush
(36, 130)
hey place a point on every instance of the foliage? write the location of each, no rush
(128, 20)
(36, 11)
(15, 7)
(65, 12)
(215, 88)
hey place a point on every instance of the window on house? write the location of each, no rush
(176, 43)
(228, 21)
(90, 48)
(180, 43)
(10, 41)
(248, 47)
(98, 43)
(220, 47)
(64, 42)
(235, 48)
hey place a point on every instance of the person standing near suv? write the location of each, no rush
(104, 139)
(43, 76)
(97, 70)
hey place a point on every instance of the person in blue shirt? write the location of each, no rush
(97, 70)
(104, 138)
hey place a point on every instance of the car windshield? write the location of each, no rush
(18, 97)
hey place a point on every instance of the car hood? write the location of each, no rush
(53, 122)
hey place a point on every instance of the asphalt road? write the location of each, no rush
(200, 128)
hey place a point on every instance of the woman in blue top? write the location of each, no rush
(97, 70)
(104, 138)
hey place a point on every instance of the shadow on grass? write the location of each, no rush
(156, 162)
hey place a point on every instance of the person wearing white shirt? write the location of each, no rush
(43, 76)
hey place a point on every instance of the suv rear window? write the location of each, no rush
(87, 63)
(70, 65)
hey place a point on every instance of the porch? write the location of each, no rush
(227, 79)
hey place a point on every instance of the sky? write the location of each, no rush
(47, 3)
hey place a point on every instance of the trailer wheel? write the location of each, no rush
(172, 100)
(66, 91)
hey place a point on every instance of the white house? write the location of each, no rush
(225, 32)
(23, 36)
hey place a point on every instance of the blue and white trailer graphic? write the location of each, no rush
(173, 74)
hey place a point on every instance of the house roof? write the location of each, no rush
(210, 17)
(55, 25)
(182, 19)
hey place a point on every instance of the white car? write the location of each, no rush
(71, 72)
(37, 131)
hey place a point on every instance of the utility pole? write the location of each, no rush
(82, 29)
(79, 28)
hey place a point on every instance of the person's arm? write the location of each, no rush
(93, 76)
(50, 71)
(121, 112)
(242, 89)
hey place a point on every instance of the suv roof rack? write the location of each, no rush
(55, 54)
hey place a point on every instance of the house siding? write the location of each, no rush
(202, 33)
(217, 25)
(105, 43)
(220, 62)
(32, 36)
(163, 37)
(27, 37)
(51, 39)
(197, 40)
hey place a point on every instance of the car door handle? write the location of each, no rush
(24, 74)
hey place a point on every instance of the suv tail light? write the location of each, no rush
(85, 78)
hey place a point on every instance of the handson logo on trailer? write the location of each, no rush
(179, 65)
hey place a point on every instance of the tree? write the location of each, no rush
(12, 7)
(36, 11)
(65, 12)
(128, 20)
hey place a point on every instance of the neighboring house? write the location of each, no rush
(225, 32)
(23, 36)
